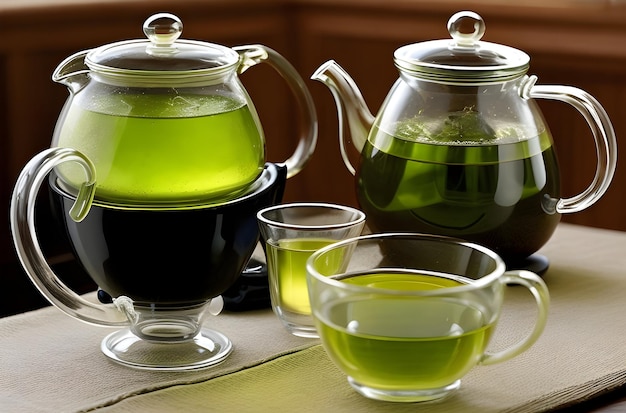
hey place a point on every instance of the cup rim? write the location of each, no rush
(360, 216)
(487, 279)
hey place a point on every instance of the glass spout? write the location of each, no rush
(351, 107)
(72, 72)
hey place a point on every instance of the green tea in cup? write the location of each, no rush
(394, 343)
(406, 316)
(287, 258)
(292, 232)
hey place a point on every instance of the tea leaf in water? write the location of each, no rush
(465, 126)
(411, 130)
(459, 127)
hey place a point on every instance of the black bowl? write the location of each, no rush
(168, 256)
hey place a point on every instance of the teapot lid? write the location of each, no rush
(162, 56)
(463, 60)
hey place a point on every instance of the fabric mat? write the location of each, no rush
(50, 362)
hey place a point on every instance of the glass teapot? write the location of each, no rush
(156, 171)
(460, 148)
(168, 121)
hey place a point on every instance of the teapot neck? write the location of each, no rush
(144, 79)
(460, 81)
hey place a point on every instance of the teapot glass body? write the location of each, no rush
(459, 147)
(167, 121)
(164, 145)
(475, 162)
(160, 160)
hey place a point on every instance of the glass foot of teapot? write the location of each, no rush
(177, 336)
(168, 340)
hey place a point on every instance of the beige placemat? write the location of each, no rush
(50, 362)
(581, 354)
(306, 381)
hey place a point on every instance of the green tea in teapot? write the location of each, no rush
(163, 148)
(461, 178)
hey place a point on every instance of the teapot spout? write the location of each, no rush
(72, 72)
(351, 107)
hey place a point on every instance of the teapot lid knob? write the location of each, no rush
(162, 29)
(163, 58)
(465, 59)
(460, 20)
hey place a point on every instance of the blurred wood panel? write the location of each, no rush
(571, 42)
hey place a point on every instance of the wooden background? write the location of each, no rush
(580, 43)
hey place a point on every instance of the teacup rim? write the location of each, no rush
(360, 216)
(482, 282)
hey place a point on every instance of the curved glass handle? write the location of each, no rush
(603, 134)
(539, 290)
(254, 54)
(22, 215)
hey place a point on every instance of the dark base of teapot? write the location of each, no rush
(251, 291)
(536, 263)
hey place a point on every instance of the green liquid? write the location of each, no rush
(489, 191)
(287, 267)
(164, 149)
(397, 343)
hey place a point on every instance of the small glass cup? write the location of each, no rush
(406, 316)
(292, 232)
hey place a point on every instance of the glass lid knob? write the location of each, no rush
(457, 27)
(162, 29)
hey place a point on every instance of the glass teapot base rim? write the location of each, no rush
(536, 263)
(206, 349)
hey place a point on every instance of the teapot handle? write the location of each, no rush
(22, 216)
(603, 134)
(254, 54)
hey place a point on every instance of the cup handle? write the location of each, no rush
(540, 291)
(603, 134)
(22, 217)
(254, 54)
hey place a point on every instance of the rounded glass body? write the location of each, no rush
(471, 161)
(405, 316)
(163, 145)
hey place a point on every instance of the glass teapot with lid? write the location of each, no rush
(156, 171)
(460, 147)
(167, 121)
